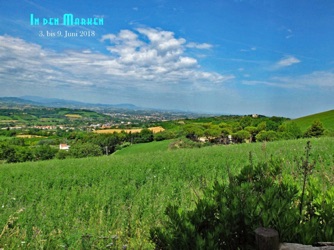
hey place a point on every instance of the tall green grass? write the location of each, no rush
(152, 147)
(113, 201)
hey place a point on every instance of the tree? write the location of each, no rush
(267, 136)
(236, 126)
(23, 154)
(245, 121)
(80, 150)
(241, 136)
(193, 131)
(316, 129)
(7, 152)
(17, 141)
(212, 131)
(272, 125)
(62, 154)
(145, 135)
(44, 153)
(262, 126)
(164, 135)
(253, 132)
(290, 130)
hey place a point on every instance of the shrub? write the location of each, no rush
(185, 143)
(62, 154)
(290, 130)
(227, 214)
(44, 153)
(164, 135)
(267, 136)
(80, 150)
(316, 129)
(241, 136)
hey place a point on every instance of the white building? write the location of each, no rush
(64, 147)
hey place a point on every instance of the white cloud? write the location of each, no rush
(160, 54)
(316, 80)
(145, 59)
(199, 45)
(249, 50)
(286, 62)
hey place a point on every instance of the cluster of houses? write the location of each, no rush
(46, 127)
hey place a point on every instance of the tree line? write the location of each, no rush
(197, 132)
(82, 144)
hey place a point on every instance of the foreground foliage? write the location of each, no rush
(227, 214)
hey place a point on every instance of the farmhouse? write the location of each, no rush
(64, 147)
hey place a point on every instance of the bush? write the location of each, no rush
(266, 136)
(80, 150)
(316, 129)
(123, 145)
(143, 136)
(290, 130)
(44, 153)
(6, 151)
(241, 136)
(164, 135)
(185, 143)
(62, 154)
(228, 214)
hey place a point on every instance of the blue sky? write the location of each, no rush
(228, 57)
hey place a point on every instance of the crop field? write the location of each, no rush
(30, 136)
(113, 201)
(73, 116)
(134, 130)
(8, 121)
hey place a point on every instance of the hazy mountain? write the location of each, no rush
(61, 103)
(16, 101)
(55, 102)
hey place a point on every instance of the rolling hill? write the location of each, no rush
(327, 118)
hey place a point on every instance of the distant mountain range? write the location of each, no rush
(16, 100)
(55, 102)
(58, 103)
(38, 101)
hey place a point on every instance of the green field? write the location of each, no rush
(327, 118)
(152, 147)
(47, 116)
(93, 202)
(2, 137)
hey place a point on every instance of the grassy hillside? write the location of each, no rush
(327, 118)
(113, 201)
(47, 116)
(152, 147)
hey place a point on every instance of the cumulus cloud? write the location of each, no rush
(145, 58)
(286, 62)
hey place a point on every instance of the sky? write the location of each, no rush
(268, 57)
